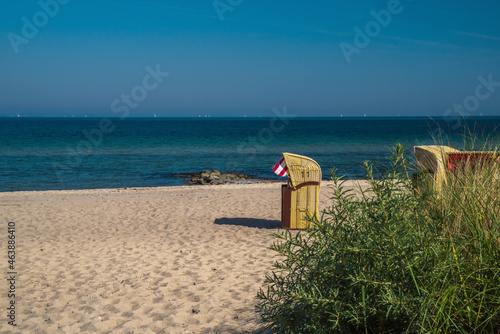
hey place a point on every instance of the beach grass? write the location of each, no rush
(389, 259)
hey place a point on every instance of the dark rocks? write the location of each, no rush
(215, 177)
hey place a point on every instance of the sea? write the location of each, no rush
(94, 153)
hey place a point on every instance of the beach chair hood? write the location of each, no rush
(302, 170)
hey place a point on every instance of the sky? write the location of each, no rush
(117, 58)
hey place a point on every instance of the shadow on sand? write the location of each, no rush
(249, 222)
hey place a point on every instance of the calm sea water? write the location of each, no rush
(51, 153)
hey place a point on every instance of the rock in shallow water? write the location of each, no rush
(216, 177)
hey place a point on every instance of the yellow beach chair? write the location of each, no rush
(438, 160)
(300, 196)
(433, 159)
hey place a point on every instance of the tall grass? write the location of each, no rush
(393, 260)
(468, 206)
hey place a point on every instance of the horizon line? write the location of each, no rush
(252, 117)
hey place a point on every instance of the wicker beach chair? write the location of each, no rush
(300, 196)
(433, 159)
(438, 160)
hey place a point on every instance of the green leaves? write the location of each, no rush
(389, 260)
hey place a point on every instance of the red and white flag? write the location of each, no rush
(280, 167)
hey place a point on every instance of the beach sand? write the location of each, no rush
(140, 260)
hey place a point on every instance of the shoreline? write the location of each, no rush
(350, 182)
(158, 188)
(161, 188)
(249, 182)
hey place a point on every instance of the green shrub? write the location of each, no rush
(391, 260)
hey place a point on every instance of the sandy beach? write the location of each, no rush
(141, 260)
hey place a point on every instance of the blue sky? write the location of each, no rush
(241, 57)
